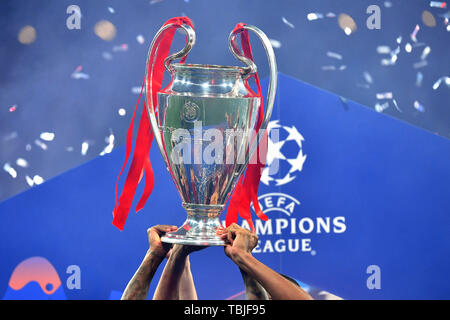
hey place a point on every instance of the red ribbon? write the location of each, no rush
(141, 161)
(246, 191)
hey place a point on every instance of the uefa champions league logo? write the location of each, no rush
(285, 157)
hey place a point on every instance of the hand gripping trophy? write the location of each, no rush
(207, 123)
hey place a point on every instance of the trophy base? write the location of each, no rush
(198, 229)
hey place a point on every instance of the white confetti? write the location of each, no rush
(425, 53)
(22, 163)
(107, 56)
(10, 136)
(122, 112)
(111, 10)
(418, 106)
(368, 77)
(419, 79)
(408, 47)
(438, 4)
(110, 146)
(286, 22)
(384, 95)
(38, 179)
(29, 181)
(69, 149)
(328, 68)
(314, 16)
(136, 90)
(334, 55)
(420, 64)
(40, 144)
(140, 39)
(7, 167)
(47, 136)
(28, 147)
(84, 148)
(275, 43)
(383, 49)
(387, 4)
(396, 105)
(330, 15)
(437, 84)
(381, 107)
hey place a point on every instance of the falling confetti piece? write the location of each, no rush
(314, 16)
(111, 10)
(38, 179)
(123, 47)
(13, 108)
(438, 4)
(420, 64)
(84, 148)
(7, 167)
(122, 112)
(437, 84)
(383, 49)
(334, 55)
(381, 107)
(22, 163)
(110, 146)
(105, 30)
(136, 90)
(330, 15)
(29, 181)
(28, 147)
(388, 4)
(47, 136)
(275, 43)
(155, 1)
(286, 22)
(418, 106)
(10, 136)
(419, 79)
(399, 39)
(107, 56)
(368, 77)
(425, 53)
(328, 68)
(27, 35)
(408, 47)
(396, 105)
(384, 95)
(69, 149)
(343, 67)
(40, 144)
(140, 39)
(77, 74)
(414, 33)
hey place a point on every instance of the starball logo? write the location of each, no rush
(285, 230)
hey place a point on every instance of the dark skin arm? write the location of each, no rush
(253, 290)
(137, 288)
(239, 240)
(176, 281)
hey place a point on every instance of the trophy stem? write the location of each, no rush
(200, 227)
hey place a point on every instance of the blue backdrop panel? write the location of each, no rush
(354, 189)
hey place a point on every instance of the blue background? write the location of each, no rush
(388, 179)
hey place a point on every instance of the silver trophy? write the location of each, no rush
(205, 129)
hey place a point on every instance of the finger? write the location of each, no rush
(163, 228)
(230, 236)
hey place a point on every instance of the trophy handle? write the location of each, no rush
(190, 41)
(251, 67)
